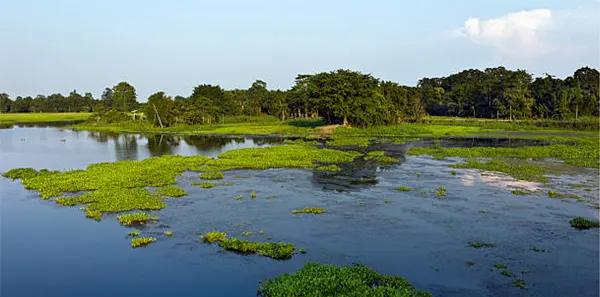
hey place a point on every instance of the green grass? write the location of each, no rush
(403, 189)
(583, 223)
(142, 241)
(212, 175)
(313, 210)
(275, 250)
(480, 244)
(328, 280)
(171, 191)
(523, 172)
(15, 118)
(204, 184)
(380, 157)
(138, 218)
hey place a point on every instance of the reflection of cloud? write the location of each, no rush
(497, 179)
(537, 32)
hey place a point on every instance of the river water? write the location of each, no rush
(50, 250)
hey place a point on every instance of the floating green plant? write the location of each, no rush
(275, 250)
(438, 157)
(340, 141)
(205, 185)
(212, 175)
(536, 249)
(330, 280)
(500, 265)
(214, 236)
(470, 263)
(129, 219)
(261, 232)
(441, 191)
(303, 251)
(552, 194)
(483, 211)
(246, 233)
(271, 197)
(520, 192)
(93, 214)
(133, 233)
(238, 197)
(171, 191)
(241, 176)
(507, 273)
(520, 283)
(63, 140)
(583, 223)
(453, 172)
(313, 210)
(332, 168)
(424, 192)
(418, 174)
(380, 157)
(168, 233)
(387, 200)
(141, 241)
(480, 244)
(252, 195)
(404, 189)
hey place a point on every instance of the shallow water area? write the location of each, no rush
(49, 250)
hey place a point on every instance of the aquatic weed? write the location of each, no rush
(470, 263)
(171, 191)
(329, 280)
(331, 168)
(480, 244)
(141, 241)
(252, 195)
(507, 273)
(536, 249)
(271, 197)
(204, 185)
(404, 189)
(212, 175)
(453, 172)
(168, 233)
(238, 197)
(214, 236)
(313, 210)
(246, 233)
(583, 223)
(520, 192)
(380, 157)
(133, 218)
(500, 265)
(525, 171)
(441, 191)
(520, 283)
(133, 233)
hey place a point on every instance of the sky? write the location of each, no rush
(57, 46)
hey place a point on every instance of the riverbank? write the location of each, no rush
(25, 118)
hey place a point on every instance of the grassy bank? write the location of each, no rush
(16, 118)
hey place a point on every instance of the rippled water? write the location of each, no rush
(48, 250)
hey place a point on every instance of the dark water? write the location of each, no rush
(48, 250)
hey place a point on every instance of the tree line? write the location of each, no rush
(348, 97)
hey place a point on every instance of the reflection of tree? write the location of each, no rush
(161, 144)
(126, 147)
(208, 142)
(103, 137)
(268, 140)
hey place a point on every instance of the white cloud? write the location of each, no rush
(537, 33)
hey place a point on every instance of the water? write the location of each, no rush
(48, 250)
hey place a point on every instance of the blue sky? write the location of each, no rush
(171, 46)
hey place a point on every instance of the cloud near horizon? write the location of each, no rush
(537, 34)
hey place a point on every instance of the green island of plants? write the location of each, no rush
(212, 175)
(313, 210)
(205, 185)
(583, 223)
(380, 157)
(138, 218)
(171, 191)
(403, 189)
(141, 241)
(274, 250)
(357, 280)
(331, 168)
(527, 171)
(133, 233)
(520, 192)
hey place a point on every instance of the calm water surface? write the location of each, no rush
(49, 250)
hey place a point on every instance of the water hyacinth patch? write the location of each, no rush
(520, 192)
(403, 189)
(117, 200)
(480, 244)
(204, 185)
(142, 241)
(357, 280)
(380, 157)
(331, 168)
(212, 175)
(583, 223)
(129, 219)
(171, 191)
(275, 250)
(526, 171)
(313, 210)
(168, 233)
(133, 233)
(441, 191)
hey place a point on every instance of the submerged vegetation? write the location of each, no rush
(275, 250)
(313, 210)
(357, 280)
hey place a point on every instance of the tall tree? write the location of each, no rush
(124, 97)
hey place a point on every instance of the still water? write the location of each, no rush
(49, 250)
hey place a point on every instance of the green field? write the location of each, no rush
(16, 118)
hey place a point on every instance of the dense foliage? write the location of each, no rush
(349, 98)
